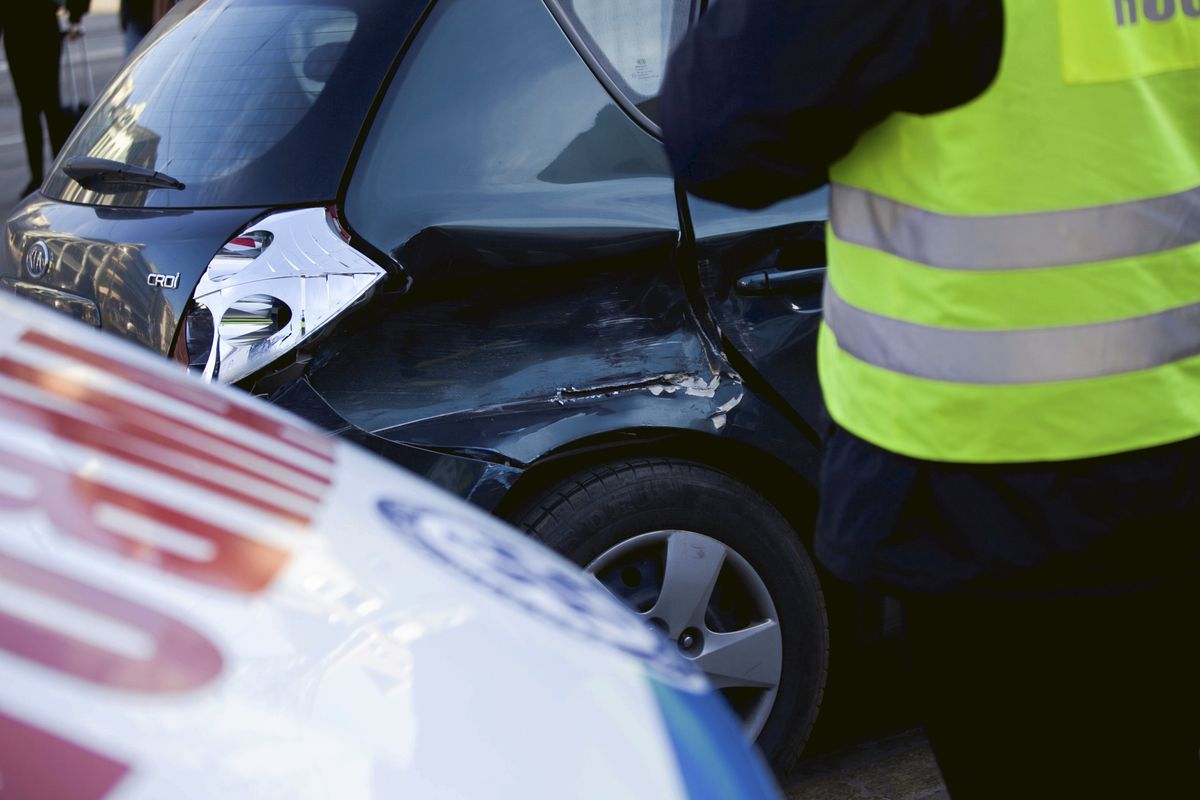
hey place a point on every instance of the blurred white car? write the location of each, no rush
(201, 597)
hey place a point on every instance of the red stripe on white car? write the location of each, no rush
(168, 458)
(41, 612)
(35, 763)
(142, 420)
(313, 443)
(186, 545)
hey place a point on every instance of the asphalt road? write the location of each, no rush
(870, 751)
(105, 47)
(896, 767)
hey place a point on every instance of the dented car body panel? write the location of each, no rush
(556, 301)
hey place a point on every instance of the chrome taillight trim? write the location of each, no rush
(305, 265)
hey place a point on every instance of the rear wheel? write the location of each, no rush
(716, 568)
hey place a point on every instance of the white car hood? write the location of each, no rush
(202, 597)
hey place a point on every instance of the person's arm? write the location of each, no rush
(762, 96)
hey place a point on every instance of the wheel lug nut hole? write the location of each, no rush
(691, 641)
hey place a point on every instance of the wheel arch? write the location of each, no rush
(782, 486)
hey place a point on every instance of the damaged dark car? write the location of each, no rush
(447, 231)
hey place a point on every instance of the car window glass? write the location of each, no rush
(531, 137)
(246, 102)
(631, 40)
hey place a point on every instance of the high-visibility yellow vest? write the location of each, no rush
(1018, 279)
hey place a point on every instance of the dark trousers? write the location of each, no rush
(1094, 696)
(33, 46)
(1053, 611)
(135, 30)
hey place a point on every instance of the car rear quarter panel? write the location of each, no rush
(541, 230)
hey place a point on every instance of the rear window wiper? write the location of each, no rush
(102, 175)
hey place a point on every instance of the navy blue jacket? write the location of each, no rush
(763, 95)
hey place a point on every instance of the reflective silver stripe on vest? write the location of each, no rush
(1019, 241)
(1036, 355)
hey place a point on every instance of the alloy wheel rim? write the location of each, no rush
(698, 576)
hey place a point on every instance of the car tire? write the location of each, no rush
(623, 521)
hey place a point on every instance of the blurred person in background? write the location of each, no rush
(137, 17)
(33, 46)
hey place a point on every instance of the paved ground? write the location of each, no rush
(871, 753)
(106, 52)
(897, 767)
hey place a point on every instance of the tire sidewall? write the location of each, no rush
(617, 502)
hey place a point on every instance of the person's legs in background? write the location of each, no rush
(24, 77)
(58, 124)
(135, 31)
(33, 59)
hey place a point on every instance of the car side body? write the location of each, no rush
(548, 304)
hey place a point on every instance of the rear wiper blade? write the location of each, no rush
(102, 175)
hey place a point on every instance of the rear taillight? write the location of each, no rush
(335, 223)
(248, 245)
(268, 290)
(195, 340)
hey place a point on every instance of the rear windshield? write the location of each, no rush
(247, 102)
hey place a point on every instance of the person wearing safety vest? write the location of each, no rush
(1010, 354)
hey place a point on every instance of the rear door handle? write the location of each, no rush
(789, 282)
